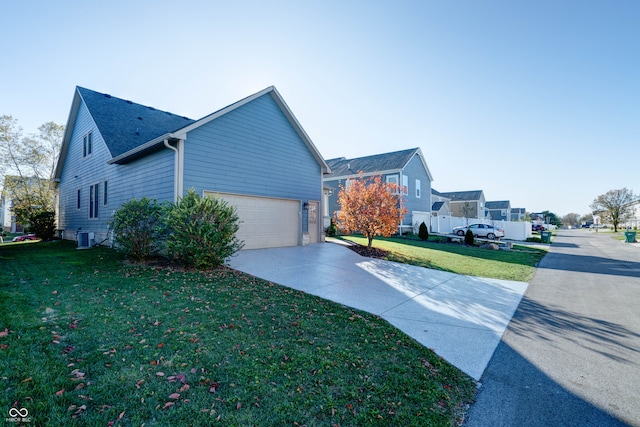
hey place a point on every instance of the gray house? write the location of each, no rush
(441, 205)
(499, 210)
(467, 204)
(252, 153)
(407, 168)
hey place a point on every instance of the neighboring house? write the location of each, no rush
(467, 204)
(407, 168)
(498, 210)
(7, 219)
(441, 205)
(518, 214)
(252, 153)
(21, 187)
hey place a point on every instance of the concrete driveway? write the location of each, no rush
(461, 318)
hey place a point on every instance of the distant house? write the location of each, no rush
(440, 205)
(467, 204)
(21, 187)
(498, 210)
(518, 214)
(252, 153)
(407, 168)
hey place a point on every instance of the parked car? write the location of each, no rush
(537, 227)
(24, 237)
(480, 230)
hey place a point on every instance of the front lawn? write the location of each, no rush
(89, 340)
(517, 264)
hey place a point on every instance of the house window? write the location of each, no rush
(405, 184)
(104, 194)
(78, 205)
(94, 192)
(417, 189)
(87, 144)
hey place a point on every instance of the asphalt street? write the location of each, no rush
(571, 354)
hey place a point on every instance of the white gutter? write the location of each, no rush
(177, 169)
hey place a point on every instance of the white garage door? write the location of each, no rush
(265, 222)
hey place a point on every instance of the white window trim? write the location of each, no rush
(105, 193)
(87, 144)
(94, 208)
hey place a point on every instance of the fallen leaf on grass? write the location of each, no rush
(26, 380)
(60, 392)
(174, 396)
(79, 411)
(4, 333)
(184, 388)
(168, 405)
(239, 405)
(160, 374)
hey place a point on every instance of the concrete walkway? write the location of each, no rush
(461, 318)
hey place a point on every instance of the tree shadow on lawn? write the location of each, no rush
(527, 257)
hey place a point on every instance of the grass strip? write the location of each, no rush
(517, 264)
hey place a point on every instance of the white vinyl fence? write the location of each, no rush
(513, 230)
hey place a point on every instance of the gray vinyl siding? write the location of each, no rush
(151, 176)
(415, 170)
(252, 150)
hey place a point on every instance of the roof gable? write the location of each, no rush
(131, 130)
(393, 161)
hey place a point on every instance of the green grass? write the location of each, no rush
(94, 341)
(517, 264)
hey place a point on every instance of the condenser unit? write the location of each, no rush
(86, 239)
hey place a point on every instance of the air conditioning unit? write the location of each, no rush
(86, 239)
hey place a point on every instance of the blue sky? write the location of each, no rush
(536, 102)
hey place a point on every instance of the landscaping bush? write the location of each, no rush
(423, 231)
(201, 231)
(331, 230)
(135, 225)
(43, 224)
(468, 238)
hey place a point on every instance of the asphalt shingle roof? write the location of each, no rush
(376, 163)
(125, 125)
(500, 204)
(458, 196)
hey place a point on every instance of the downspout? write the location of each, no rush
(177, 171)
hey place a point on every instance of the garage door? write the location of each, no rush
(265, 222)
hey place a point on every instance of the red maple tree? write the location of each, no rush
(370, 206)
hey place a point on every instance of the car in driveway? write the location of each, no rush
(24, 237)
(537, 227)
(480, 230)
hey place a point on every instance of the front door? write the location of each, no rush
(312, 217)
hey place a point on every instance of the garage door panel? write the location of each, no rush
(265, 222)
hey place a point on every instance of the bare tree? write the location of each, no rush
(615, 206)
(468, 211)
(29, 165)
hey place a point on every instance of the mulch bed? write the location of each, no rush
(369, 252)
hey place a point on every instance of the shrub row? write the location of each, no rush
(196, 231)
